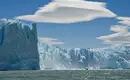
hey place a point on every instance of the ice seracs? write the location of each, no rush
(81, 58)
(18, 46)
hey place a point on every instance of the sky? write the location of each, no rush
(74, 35)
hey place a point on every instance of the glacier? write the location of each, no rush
(18, 46)
(20, 49)
(54, 57)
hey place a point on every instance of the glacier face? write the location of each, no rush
(18, 46)
(20, 49)
(53, 57)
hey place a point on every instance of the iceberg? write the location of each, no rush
(18, 46)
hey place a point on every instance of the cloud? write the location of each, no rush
(109, 37)
(49, 40)
(124, 20)
(116, 38)
(119, 28)
(69, 11)
(122, 36)
(121, 39)
(125, 23)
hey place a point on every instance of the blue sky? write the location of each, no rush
(82, 34)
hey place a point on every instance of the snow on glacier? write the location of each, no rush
(78, 58)
(52, 57)
(18, 45)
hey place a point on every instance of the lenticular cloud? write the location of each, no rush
(122, 35)
(69, 11)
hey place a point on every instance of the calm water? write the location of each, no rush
(66, 75)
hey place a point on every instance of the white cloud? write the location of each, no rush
(122, 36)
(127, 23)
(69, 11)
(109, 37)
(49, 40)
(119, 28)
(116, 38)
(124, 20)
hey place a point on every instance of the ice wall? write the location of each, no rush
(20, 50)
(18, 46)
(53, 57)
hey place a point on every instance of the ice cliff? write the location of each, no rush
(18, 46)
(53, 57)
(21, 50)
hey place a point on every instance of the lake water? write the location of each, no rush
(66, 75)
